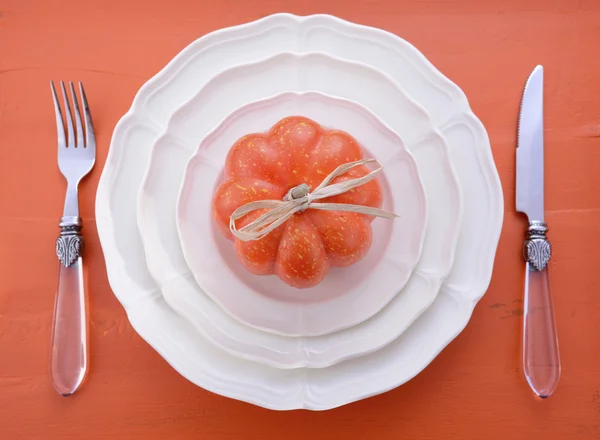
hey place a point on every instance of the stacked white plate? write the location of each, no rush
(362, 331)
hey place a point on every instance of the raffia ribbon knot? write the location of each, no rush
(300, 198)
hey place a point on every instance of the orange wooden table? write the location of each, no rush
(474, 389)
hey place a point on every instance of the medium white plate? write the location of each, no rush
(175, 338)
(156, 215)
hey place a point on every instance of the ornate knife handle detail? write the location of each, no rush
(69, 245)
(537, 249)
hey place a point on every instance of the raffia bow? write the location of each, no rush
(299, 199)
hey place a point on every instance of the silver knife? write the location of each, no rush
(541, 359)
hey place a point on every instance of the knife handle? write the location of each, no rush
(541, 359)
(68, 364)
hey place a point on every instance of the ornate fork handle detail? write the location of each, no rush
(537, 250)
(70, 243)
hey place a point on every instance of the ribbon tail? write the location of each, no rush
(343, 169)
(266, 223)
(358, 209)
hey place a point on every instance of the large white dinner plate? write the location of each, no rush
(348, 295)
(176, 339)
(156, 214)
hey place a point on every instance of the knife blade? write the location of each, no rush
(530, 148)
(541, 359)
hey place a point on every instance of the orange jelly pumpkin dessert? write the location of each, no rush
(266, 166)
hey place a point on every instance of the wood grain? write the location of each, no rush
(474, 388)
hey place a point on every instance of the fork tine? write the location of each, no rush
(60, 129)
(79, 133)
(70, 134)
(90, 138)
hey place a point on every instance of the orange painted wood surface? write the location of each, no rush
(474, 389)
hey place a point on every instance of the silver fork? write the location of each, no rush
(76, 157)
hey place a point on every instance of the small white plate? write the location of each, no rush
(175, 338)
(346, 296)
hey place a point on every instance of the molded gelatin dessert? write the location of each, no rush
(294, 151)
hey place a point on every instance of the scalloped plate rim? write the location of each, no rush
(122, 282)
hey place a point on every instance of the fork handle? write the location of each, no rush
(68, 365)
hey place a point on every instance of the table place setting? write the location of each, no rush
(303, 223)
(370, 220)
